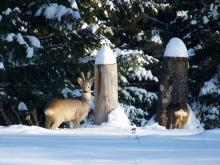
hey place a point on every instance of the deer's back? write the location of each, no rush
(65, 108)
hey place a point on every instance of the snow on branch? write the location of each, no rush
(35, 43)
(141, 73)
(55, 11)
(2, 66)
(131, 93)
(211, 86)
(127, 54)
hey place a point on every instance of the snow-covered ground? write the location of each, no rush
(23, 145)
(113, 143)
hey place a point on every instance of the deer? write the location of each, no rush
(166, 94)
(178, 116)
(66, 110)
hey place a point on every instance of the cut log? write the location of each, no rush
(174, 75)
(106, 91)
(106, 84)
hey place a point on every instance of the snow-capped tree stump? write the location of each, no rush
(106, 84)
(173, 80)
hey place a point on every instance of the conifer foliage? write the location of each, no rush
(45, 44)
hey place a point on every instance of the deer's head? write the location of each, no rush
(166, 93)
(86, 84)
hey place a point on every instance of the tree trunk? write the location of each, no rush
(174, 73)
(106, 91)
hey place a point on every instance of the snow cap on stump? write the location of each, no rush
(176, 48)
(105, 56)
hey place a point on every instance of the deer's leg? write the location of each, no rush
(71, 124)
(169, 123)
(163, 120)
(48, 122)
(55, 124)
(177, 123)
(77, 124)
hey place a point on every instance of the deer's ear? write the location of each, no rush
(80, 81)
(88, 75)
(161, 87)
(91, 80)
(171, 88)
(82, 75)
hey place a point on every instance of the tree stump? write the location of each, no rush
(174, 75)
(106, 84)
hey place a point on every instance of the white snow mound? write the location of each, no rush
(117, 118)
(176, 48)
(192, 123)
(105, 56)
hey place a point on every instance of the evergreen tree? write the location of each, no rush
(45, 44)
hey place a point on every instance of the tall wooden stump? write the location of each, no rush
(106, 84)
(174, 75)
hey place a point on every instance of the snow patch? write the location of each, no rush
(93, 28)
(84, 26)
(22, 106)
(175, 48)
(192, 123)
(210, 86)
(2, 66)
(55, 11)
(156, 37)
(214, 11)
(73, 4)
(127, 54)
(10, 37)
(110, 4)
(17, 9)
(191, 51)
(20, 39)
(30, 52)
(123, 79)
(193, 22)
(140, 36)
(117, 118)
(142, 74)
(105, 56)
(67, 91)
(213, 113)
(7, 11)
(205, 19)
(182, 14)
(34, 41)
(139, 93)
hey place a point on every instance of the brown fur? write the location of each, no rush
(166, 94)
(178, 116)
(75, 110)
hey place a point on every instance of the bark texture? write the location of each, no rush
(106, 91)
(174, 73)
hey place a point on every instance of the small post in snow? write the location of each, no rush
(106, 84)
(174, 77)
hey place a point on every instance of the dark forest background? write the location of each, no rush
(45, 44)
